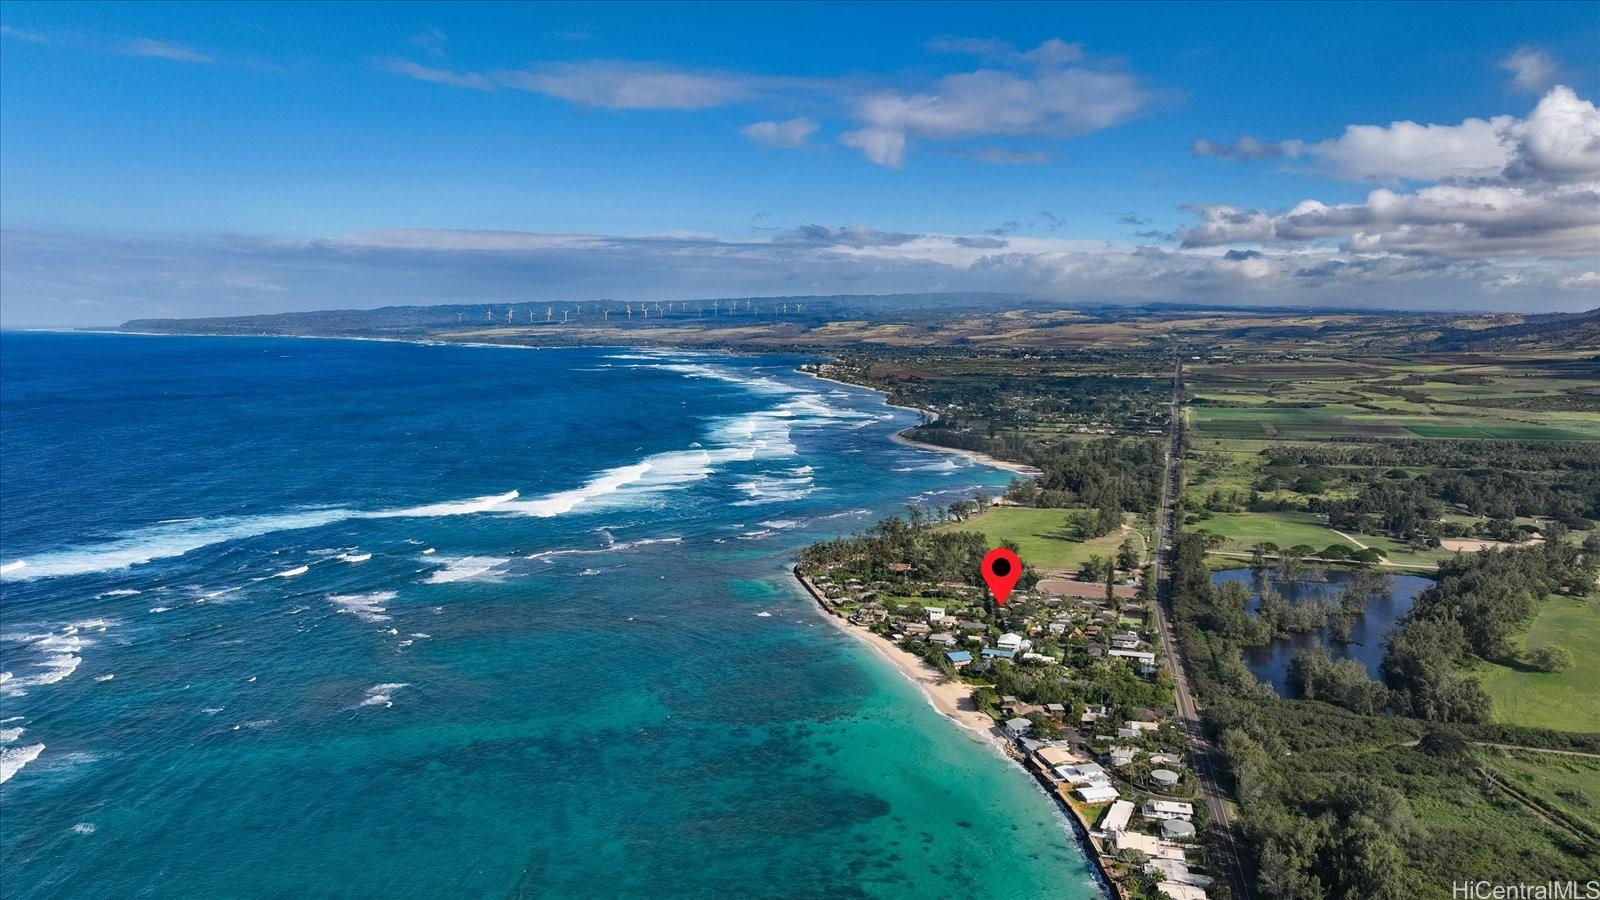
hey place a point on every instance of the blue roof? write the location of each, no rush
(956, 656)
(996, 652)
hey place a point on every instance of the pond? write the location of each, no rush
(1271, 662)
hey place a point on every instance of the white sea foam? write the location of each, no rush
(366, 607)
(942, 465)
(60, 655)
(106, 677)
(465, 568)
(12, 759)
(295, 572)
(10, 735)
(383, 694)
(355, 557)
(118, 592)
(763, 434)
(84, 828)
(160, 609)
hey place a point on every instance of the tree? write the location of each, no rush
(1128, 556)
(1548, 658)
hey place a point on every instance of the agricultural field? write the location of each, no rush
(1561, 700)
(1048, 538)
(1547, 397)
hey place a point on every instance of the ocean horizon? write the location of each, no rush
(348, 618)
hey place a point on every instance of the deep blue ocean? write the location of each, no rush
(306, 618)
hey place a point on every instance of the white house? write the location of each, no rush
(1166, 809)
(1139, 656)
(935, 613)
(1097, 793)
(1117, 816)
(1009, 641)
(1082, 773)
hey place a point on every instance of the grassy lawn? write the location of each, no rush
(1562, 700)
(1047, 537)
(1244, 530)
(1570, 784)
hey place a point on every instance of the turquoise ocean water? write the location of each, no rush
(299, 618)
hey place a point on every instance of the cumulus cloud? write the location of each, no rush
(1497, 188)
(1048, 98)
(1531, 69)
(790, 133)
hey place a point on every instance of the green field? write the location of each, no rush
(1046, 537)
(1562, 700)
(1567, 784)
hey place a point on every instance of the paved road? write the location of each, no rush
(1204, 756)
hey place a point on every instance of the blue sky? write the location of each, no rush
(193, 159)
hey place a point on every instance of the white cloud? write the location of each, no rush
(471, 80)
(618, 85)
(154, 49)
(431, 41)
(1052, 102)
(789, 133)
(1531, 69)
(1407, 150)
(1559, 141)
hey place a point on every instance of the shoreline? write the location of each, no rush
(900, 437)
(944, 696)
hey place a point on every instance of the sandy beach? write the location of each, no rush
(953, 699)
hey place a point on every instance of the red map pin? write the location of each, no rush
(1001, 569)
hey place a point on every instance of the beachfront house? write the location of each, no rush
(943, 639)
(1082, 773)
(958, 658)
(1100, 792)
(1117, 816)
(1166, 809)
(1018, 726)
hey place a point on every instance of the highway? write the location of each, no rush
(1204, 757)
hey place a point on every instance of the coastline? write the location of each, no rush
(900, 437)
(952, 699)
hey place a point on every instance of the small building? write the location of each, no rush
(1010, 641)
(919, 629)
(1056, 756)
(958, 658)
(1082, 773)
(943, 639)
(997, 653)
(1175, 891)
(1117, 816)
(934, 613)
(1164, 778)
(1099, 792)
(1166, 809)
(1177, 830)
(1018, 726)
(1123, 756)
(1055, 709)
(1138, 656)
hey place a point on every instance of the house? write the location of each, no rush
(1055, 709)
(1039, 657)
(1165, 778)
(1057, 628)
(1082, 773)
(958, 658)
(943, 639)
(1140, 726)
(1169, 760)
(997, 653)
(1126, 841)
(916, 628)
(1166, 809)
(1056, 756)
(1117, 816)
(1125, 640)
(1010, 641)
(934, 613)
(1123, 756)
(1097, 793)
(1177, 830)
(1176, 891)
(1018, 726)
(1176, 872)
(1140, 656)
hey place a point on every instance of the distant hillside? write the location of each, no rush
(1552, 331)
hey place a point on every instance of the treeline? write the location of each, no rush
(1478, 604)
(949, 556)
